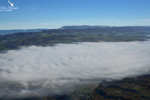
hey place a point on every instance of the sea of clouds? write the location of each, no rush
(41, 71)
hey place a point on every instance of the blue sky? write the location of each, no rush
(33, 14)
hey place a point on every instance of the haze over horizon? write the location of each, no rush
(33, 14)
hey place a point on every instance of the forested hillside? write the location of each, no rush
(54, 36)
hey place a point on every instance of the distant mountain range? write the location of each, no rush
(98, 26)
(106, 28)
(84, 27)
(4, 32)
(53, 36)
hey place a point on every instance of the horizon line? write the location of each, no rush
(79, 25)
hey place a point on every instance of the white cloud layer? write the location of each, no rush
(37, 71)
